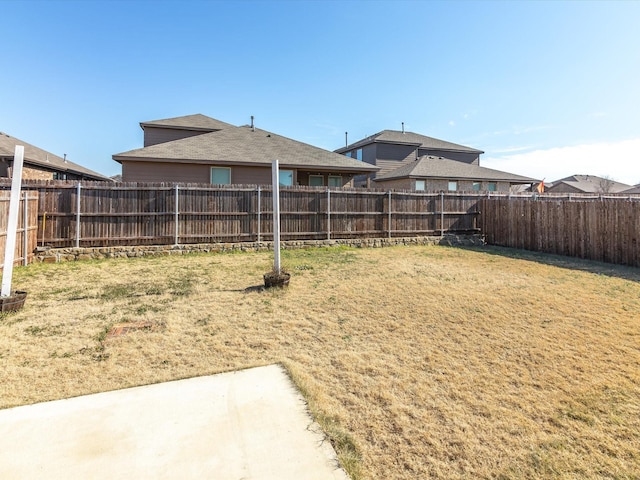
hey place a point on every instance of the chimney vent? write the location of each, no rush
(346, 137)
(253, 128)
(65, 158)
(402, 127)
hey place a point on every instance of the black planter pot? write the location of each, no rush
(13, 302)
(273, 279)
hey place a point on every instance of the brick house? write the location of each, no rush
(42, 165)
(416, 162)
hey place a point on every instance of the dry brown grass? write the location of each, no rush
(418, 361)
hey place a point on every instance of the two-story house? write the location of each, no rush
(200, 149)
(416, 162)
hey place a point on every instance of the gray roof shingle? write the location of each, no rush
(37, 156)
(409, 138)
(245, 146)
(439, 167)
(189, 122)
(592, 184)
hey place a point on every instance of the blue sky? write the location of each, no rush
(546, 89)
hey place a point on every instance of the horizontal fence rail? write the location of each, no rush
(93, 214)
(27, 227)
(602, 228)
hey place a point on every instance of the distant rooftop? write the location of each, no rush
(409, 138)
(439, 167)
(42, 158)
(189, 122)
(592, 184)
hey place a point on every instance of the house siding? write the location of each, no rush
(4, 167)
(156, 135)
(562, 188)
(201, 173)
(389, 157)
(399, 184)
(438, 185)
(369, 154)
(470, 158)
(303, 178)
(164, 172)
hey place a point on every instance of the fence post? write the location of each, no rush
(176, 215)
(389, 214)
(78, 193)
(328, 213)
(442, 214)
(259, 208)
(25, 223)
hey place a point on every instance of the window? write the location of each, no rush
(453, 186)
(316, 180)
(335, 181)
(359, 154)
(477, 186)
(420, 185)
(220, 175)
(285, 178)
(492, 187)
(59, 176)
(348, 154)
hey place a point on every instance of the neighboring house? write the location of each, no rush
(200, 149)
(40, 164)
(585, 184)
(416, 162)
(439, 173)
(634, 189)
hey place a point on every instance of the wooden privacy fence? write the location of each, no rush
(599, 228)
(102, 214)
(27, 226)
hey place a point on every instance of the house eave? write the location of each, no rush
(265, 164)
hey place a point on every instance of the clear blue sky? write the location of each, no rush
(541, 87)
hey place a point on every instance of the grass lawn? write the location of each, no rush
(419, 362)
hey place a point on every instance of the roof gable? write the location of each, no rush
(439, 167)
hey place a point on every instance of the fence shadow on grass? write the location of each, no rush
(561, 261)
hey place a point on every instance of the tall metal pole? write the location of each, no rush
(259, 208)
(328, 213)
(78, 194)
(176, 214)
(12, 223)
(25, 229)
(275, 179)
(442, 214)
(389, 214)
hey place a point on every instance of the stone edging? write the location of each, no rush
(71, 254)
